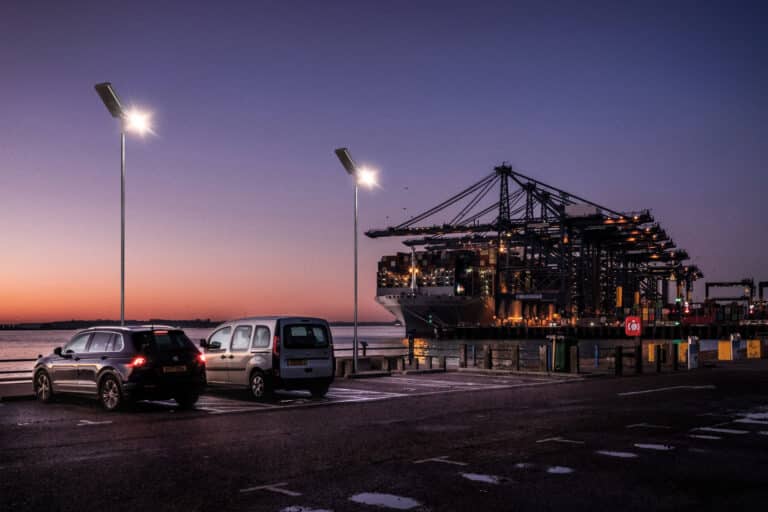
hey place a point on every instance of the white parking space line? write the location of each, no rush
(278, 488)
(763, 433)
(721, 430)
(385, 500)
(559, 470)
(751, 421)
(442, 459)
(656, 447)
(559, 440)
(669, 388)
(86, 423)
(702, 436)
(649, 425)
(619, 455)
(297, 508)
(486, 479)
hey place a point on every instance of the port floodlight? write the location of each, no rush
(109, 97)
(346, 160)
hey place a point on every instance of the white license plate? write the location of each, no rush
(174, 369)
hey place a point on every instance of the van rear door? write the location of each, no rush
(306, 350)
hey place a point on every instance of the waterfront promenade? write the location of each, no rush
(451, 441)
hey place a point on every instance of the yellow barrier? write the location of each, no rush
(725, 350)
(682, 352)
(754, 349)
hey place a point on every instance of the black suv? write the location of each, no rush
(118, 364)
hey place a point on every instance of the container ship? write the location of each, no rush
(511, 249)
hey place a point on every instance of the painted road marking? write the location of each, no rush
(751, 421)
(763, 433)
(443, 459)
(559, 470)
(278, 488)
(86, 423)
(702, 436)
(657, 447)
(669, 388)
(559, 440)
(721, 430)
(648, 425)
(304, 509)
(385, 500)
(486, 479)
(620, 455)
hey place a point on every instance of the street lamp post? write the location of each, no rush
(132, 120)
(366, 177)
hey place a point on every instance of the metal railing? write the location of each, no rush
(21, 374)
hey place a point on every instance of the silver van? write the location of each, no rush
(267, 353)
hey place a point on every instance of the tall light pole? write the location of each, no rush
(134, 121)
(366, 177)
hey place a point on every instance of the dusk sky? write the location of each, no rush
(237, 205)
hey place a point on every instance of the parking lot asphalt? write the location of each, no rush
(696, 440)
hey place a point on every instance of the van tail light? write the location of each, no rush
(276, 346)
(138, 361)
(201, 358)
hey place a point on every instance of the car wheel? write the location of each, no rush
(186, 400)
(258, 385)
(43, 388)
(110, 394)
(319, 391)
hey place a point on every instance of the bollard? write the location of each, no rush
(639, 358)
(657, 354)
(575, 366)
(444, 363)
(487, 357)
(365, 348)
(400, 364)
(618, 360)
(674, 358)
(542, 358)
(463, 355)
(410, 349)
(416, 363)
(474, 355)
(516, 355)
(548, 351)
(597, 355)
(429, 362)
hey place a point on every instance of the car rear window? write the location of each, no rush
(163, 341)
(305, 336)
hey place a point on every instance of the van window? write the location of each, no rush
(261, 338)
(222, 336)
(242, 337)
(305, 336)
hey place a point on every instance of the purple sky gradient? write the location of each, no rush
(238, 204)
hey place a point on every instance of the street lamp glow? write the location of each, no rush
(366, 177)
(138, 122)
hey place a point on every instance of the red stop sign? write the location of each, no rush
(632, 326)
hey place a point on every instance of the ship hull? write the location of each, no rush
(424, 314)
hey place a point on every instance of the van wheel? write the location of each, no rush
(110, 394)
(186, 400)
(43, 388)
(319, 391)
(258, 385)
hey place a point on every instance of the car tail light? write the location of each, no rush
(201, 358)
(276, 346)
(138, 361)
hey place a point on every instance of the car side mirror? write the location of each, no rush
(68, 353)
(215, 345)
(203, 343)
(57, 351)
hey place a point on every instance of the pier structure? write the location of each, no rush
(547, 255)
